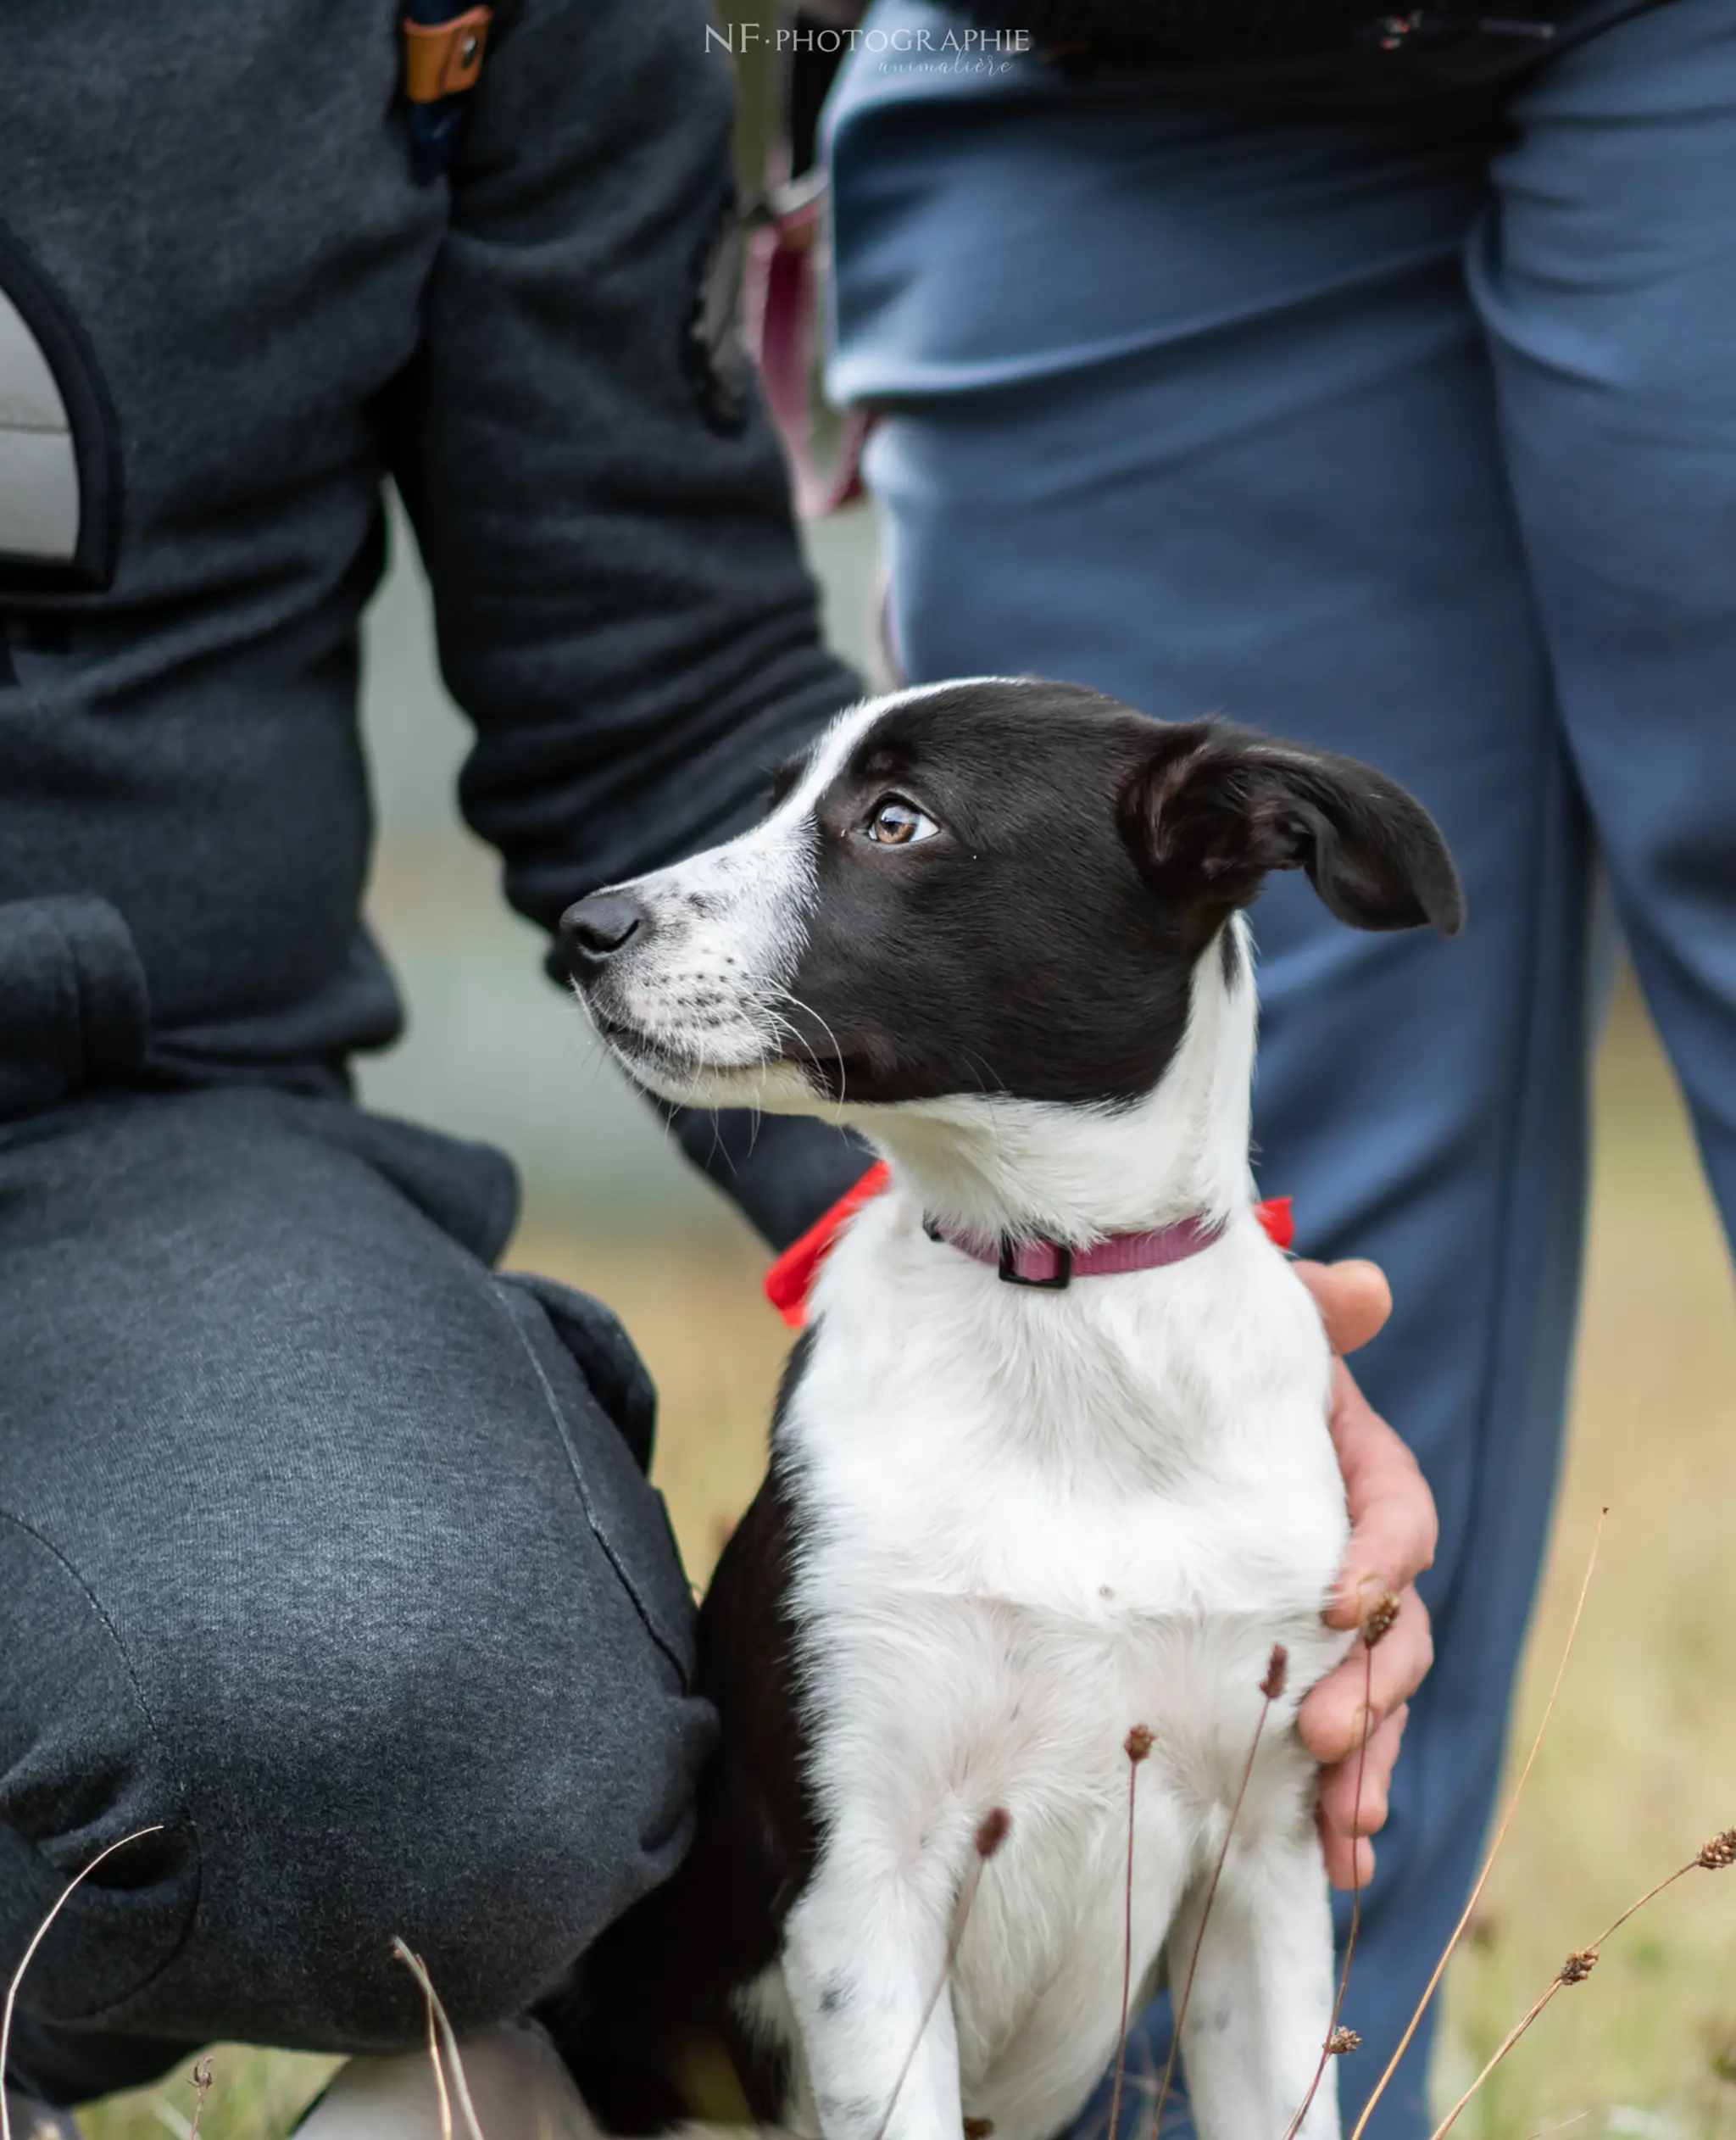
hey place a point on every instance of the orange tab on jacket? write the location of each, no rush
(791, 1279)
(444, 59)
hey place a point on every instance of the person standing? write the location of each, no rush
(1221, 371)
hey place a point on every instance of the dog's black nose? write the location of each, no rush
(596, 928)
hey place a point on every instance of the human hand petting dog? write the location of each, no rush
(1393, 1529)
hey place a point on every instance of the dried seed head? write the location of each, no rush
(1137, 1744)
(1377, 1618)
(992, 1831)
(1720, 1852)
(1577, 1967)
(201, 2079)
(1277, 1670)
(1342, 2040)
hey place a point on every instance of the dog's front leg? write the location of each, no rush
(1262, 1993)
(864, 1949)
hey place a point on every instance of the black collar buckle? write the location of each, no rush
(1063, 1266)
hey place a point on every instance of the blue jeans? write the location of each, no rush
(1424, 450)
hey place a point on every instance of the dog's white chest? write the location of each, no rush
(1023, 1537)
(1144, 1451)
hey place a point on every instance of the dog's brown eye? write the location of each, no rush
(897, 823)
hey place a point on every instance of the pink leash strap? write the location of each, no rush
(779, 307)
(1052, 1267)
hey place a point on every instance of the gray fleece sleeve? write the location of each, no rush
(601, 503)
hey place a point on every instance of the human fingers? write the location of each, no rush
(1347, 1817)
(1353, 1297)
(1349, 1811)
(1366, 1689)
(1393, 1525)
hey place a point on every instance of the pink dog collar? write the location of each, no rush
(1052, 1267)
(791, 1278)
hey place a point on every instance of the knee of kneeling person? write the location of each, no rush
(493, 1811)
(399, 1654)
(500, 1871)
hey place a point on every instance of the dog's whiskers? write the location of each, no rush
(796, 1002)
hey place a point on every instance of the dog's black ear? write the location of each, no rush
(1209, 808)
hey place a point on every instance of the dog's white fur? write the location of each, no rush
(1034, 1520)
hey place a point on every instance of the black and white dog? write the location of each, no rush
(996, 926)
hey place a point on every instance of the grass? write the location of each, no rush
(1639, 1765)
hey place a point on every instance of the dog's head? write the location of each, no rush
(998, 886)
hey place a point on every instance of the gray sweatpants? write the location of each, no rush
(330, 1551)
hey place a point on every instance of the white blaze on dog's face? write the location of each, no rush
(687, 973)
(1000, 886)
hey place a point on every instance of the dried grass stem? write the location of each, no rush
(1270, 1687)
(201, 2078)
(1341, 2041)
(36, 1939)
(1458, 1931)
(991, 1833)
(437, 2018)
(1710, 1857)
(1136, 1745)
